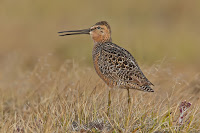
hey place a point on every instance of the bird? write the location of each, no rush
(114, 64)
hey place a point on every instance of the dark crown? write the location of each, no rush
(104, 23)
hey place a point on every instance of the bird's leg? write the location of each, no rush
(109, 103)
(129, 98)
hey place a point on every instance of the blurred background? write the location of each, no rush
(152, 31)
(41, 72)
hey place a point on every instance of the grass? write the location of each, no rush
(42, 92)
(74, 99)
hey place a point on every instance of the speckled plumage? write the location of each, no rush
(115, 65)
(118, 68)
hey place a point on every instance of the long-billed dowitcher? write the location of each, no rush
(114, 64)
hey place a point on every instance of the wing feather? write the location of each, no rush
(120, 66)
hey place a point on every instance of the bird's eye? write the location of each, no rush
(98, 27)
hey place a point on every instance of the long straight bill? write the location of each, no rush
(74, 32)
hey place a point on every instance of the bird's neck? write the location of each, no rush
(101, 38)
(100, 43)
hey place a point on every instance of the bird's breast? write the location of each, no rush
(96, 53)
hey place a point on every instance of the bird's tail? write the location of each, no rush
(146, 88)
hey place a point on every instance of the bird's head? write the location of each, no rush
(100, 32)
